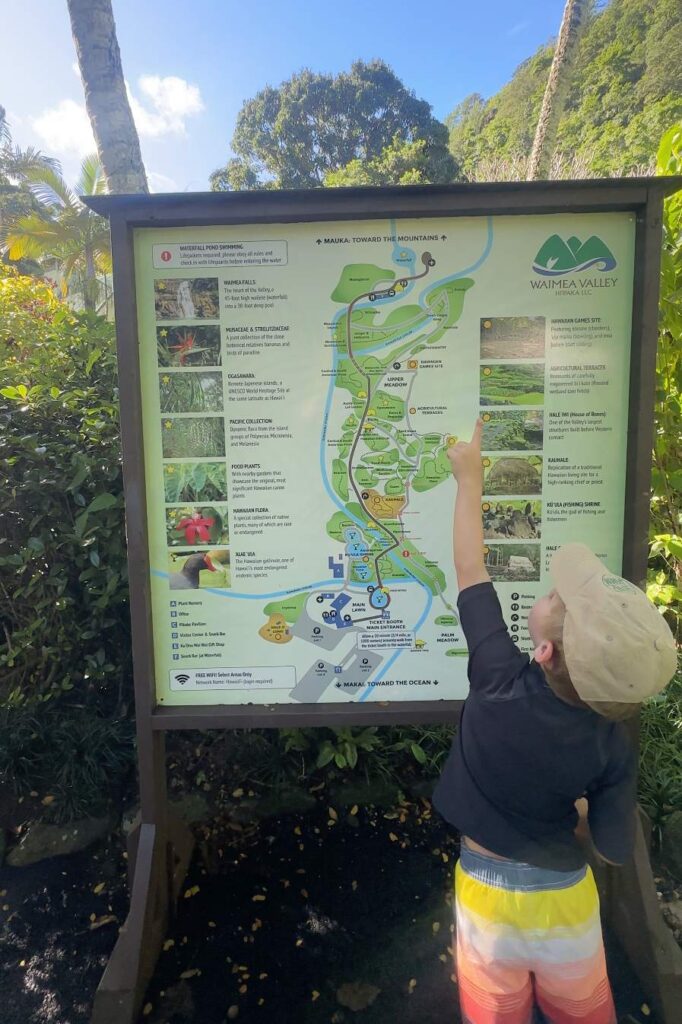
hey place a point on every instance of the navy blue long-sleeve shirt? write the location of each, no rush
(522, 756)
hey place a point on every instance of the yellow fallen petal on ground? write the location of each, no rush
(168, 944)
(148, 1007)
(412, 985)
(316, 994)
(191, 973)
(354, 809)
(258, 898)
(98, 888)
(435, 927)
(333, 814)
(99, 922)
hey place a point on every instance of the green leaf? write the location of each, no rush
(418, 753)
(350, 752)
(326, 754)
(78, 478)
(92, 359)
(101, 502)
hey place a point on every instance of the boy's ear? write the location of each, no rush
(544, 652)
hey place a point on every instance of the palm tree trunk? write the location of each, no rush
(90, 288)
(99, 59)
(558, 83)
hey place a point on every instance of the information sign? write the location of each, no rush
(301, 383)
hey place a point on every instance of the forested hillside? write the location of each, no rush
(627, 89)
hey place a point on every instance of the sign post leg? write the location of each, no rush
(159, 852)
(631, 909)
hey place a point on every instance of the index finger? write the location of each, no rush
(478, 430)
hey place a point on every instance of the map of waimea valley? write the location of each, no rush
(384, 584)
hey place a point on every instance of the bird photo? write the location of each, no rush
(189, 570)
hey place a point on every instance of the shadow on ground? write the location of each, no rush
(327, 917)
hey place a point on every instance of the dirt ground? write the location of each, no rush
(289, 921)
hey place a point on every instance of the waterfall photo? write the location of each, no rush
(194, 298)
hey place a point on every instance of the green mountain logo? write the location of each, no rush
(558, 257)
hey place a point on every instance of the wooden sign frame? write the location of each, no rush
(160, 847)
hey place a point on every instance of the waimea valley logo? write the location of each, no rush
(557, 257)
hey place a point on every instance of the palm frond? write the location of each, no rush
(91, 181)
(20, 163)
(103, 261)
(33, 236)
(5, 134)
(50, 189)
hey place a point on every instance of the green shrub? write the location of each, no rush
(660, 768)
(63, 575)
(65, 675)
(660, 782)
(71, 754)
(665, 564)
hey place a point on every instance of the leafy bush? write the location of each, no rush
(64, 644)
(660, 770)
(395, 752)
(666, 506)
(660, 782)
(73, 755)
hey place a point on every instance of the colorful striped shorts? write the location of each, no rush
(526, 938)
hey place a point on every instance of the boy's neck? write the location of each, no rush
(564, 690)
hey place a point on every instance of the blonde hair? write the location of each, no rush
(559, 678)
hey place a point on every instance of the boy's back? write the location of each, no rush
(522, 756)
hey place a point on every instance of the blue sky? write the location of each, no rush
(191, 65)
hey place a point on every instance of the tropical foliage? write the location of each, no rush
(666, 504)
(17, 169)
(65, 642)
(315, 124)
(626, 90)
(63, 229)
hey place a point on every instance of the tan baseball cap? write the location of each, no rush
(618, 647)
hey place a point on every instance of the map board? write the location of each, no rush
(300, 384)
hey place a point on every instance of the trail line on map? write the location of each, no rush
(428, 262)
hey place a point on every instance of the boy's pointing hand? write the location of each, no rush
(465, 456)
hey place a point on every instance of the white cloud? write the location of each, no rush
(161, 182)
(166, 105)
(65, 129)
(518, 27)
(169, 102)
(76, 69)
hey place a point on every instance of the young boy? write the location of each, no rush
(536, 737)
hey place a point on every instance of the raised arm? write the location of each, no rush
(467, 534)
